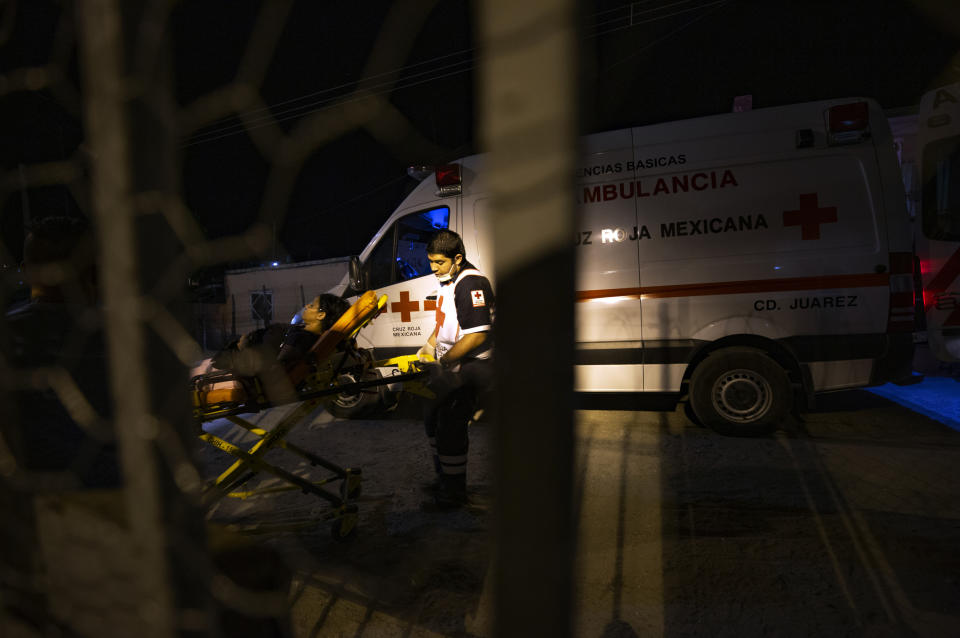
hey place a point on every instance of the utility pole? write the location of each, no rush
(528, 80)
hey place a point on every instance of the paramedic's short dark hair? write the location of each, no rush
(447, 243)
(61, 251)
(63, 239)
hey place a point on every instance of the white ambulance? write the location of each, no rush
(735, 262)
(938, 211)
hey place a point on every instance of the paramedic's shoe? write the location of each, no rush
(432, 487)
(445, 503)
(451, 495)
(445, 500)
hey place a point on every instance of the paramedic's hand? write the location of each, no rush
(434, 370)
(427, 353)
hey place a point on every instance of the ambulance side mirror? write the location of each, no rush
(356, 275)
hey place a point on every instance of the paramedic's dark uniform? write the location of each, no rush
(464, 306)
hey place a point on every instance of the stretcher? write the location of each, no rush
(329, 368)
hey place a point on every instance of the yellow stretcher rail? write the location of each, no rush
(226, 395)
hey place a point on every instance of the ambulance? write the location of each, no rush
(937, 231)
(737, 263)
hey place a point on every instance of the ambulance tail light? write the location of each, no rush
(901, 318)
(848, 123)
(919, 296)
(449, 181)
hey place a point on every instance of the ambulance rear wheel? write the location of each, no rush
(740, 392)
(691, 415)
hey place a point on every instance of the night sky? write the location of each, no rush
(678, 59)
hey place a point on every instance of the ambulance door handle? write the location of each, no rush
(880, 268)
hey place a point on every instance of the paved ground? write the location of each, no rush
(844, 524)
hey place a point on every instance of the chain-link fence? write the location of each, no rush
(133, 197)
(166, 167)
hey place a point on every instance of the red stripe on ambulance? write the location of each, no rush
(830, 282)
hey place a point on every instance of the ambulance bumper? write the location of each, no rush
(896, 365)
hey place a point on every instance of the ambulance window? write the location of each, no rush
(401, 253)
(380, 263)
(941, 189)
(413, 232)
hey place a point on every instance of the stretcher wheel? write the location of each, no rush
(740, 392)
(353, 405)
(351, 487)
(345, 527)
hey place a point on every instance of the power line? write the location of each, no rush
(664, 17)
(299, 111)
(303, 109)
(631, 13)
(389, 86)
(717, 5)
(367, 193)
(241, 128)
(347, 85)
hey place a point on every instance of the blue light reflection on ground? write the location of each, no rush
(935, 397)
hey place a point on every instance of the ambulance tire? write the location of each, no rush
(355, 405)
(691, 415)
(740, 392)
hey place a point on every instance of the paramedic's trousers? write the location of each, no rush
(448, 415)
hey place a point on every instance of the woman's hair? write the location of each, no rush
(447, 243)
(333, 307)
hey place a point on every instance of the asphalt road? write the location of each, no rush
(845, 523)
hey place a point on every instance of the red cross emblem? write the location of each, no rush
(440, 314)
(810, 216)
(405, 306)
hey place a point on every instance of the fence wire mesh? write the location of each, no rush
(164, 142)
(150, 147)
(101, 480)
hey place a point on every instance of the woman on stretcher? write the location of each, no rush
(281, 356)
(257, 351)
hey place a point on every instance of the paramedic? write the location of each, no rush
(462, 345)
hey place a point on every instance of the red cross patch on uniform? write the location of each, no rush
(477, 297)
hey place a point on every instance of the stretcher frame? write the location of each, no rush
(312, 384)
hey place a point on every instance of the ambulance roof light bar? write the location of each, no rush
(848, 123)
(449, 181)
(419, 173)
